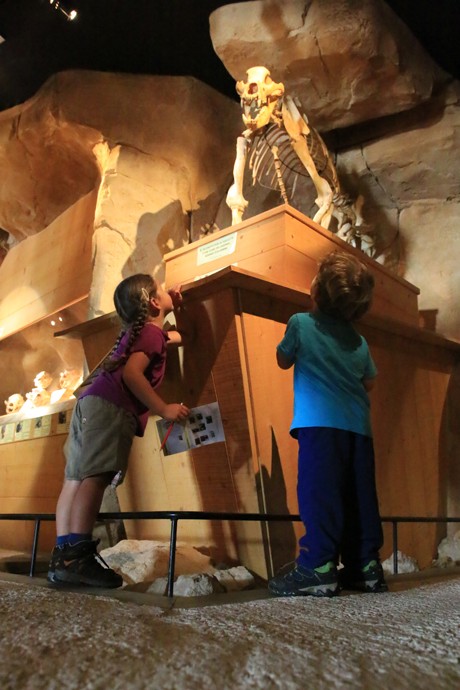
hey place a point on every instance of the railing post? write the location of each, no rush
(172, 556)
(395, 547)
(34, 548)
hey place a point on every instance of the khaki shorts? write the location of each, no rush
(100, 439)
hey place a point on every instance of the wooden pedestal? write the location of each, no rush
(283, 244)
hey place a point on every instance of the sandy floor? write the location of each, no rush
(406, 639)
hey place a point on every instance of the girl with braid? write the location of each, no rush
(108, 414)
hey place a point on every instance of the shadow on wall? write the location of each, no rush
(380, 220)
(212, 214)
(156, 235)
(428, 319)
(280, 536)
(449, 452)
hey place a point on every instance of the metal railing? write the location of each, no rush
(175, 516)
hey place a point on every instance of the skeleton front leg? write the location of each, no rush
(235, 199)
(325, 195)
(299, 130)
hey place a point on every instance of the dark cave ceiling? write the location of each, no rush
(157, 37)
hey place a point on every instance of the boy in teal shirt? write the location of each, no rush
(333, 371)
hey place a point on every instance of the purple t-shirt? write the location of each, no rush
(110, 386)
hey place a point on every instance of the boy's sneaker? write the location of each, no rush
(367, 579)
(300, 581)
(80, 564)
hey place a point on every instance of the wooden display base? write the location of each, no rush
(283, 244)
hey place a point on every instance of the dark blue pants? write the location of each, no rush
(337, 498)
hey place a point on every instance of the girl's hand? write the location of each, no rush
(176, 296)
(176, 412)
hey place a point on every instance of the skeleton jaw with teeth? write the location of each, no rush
(14, 403)
(261, 99)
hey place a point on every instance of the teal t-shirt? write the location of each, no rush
(330, 361)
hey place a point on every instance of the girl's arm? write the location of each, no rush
(133, 377)
(184, 328)
(174, 337)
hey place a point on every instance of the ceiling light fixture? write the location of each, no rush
(70, 14)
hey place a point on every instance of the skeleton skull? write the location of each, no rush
(260, 98)
(69, 379)
(38, 397)
(42, 380)
(14, 403)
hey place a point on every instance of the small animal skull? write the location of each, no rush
(14, 403)
(38, 397)
(42, 380)
(69, 379)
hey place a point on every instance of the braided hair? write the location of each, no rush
(131, 299)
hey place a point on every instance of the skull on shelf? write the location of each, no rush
(69, 379)
(14, 403)
(38, 397)
(42, 380)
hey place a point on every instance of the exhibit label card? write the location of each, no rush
(23, 430)
(42, 426)
(63, 421)
(7, 433)
(223, 246)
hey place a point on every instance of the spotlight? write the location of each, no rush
(70, 14)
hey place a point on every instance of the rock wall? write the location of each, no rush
(158, 149)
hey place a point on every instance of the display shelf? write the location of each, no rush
(284, 245)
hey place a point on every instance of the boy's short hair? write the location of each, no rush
(343, 286)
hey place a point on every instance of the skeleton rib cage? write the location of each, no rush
(262, 160)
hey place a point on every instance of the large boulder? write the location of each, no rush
(347, 62)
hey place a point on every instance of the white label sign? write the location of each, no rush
(216, 249)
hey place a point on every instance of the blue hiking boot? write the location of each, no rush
(301, 581)
(367, 579)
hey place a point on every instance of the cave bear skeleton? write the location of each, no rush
(282, 146)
